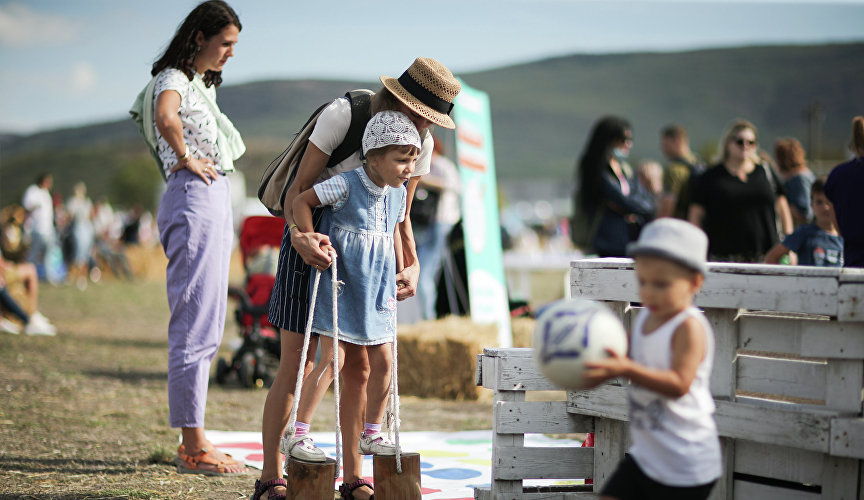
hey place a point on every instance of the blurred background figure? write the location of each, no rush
(843, 189)
(39, 205)
(797, 178)
(613, 201)
(739, 200)
(80, 211)
(650, 174)
(106, 229)
(434, 211)
(817, 244)
(680, 173)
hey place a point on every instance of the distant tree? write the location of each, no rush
(136, 182)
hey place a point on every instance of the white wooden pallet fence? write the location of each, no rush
(787, 380)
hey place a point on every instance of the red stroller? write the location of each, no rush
(257, 358)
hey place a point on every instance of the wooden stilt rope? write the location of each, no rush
(314, 480)
(393, 485)
(310, 480)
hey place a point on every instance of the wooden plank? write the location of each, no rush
(847, 438)
(501, 441)
(516, 463)
(547, 417)
(733, 286)
(611, 439)
(724, 488)
(813, 337)
(748, 490)
(839, 478)
(513, 370)
(807, 430)
(779, 462)
(536, 493)
(850, 302)
(606, 401)
(844, 380)
(791, 426)
(784, 377)
(723, 374)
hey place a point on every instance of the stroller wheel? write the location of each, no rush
(246, 372)
(222, 371)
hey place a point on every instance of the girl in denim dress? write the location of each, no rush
(362, 209)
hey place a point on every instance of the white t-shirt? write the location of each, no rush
(330, 131)
(674, 440)
(38, 202)
(199, 124)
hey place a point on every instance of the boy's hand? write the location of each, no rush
(596, 372)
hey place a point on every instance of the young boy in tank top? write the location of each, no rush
(675, 451)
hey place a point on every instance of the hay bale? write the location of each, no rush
(437, 358)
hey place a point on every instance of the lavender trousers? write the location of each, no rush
(196, 232)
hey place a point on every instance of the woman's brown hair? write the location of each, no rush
(790, 155)
(210, 18)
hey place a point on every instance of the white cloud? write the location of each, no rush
(21, 26)
(82, 77)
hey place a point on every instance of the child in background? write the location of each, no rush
(675, 451)
(818, 244)
(363, 207)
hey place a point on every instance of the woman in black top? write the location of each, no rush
(738, 201)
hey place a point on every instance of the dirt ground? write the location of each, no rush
(85, 414)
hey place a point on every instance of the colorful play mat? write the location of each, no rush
(452, 464)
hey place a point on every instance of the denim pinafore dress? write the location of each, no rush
(361, 231)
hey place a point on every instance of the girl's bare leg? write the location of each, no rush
(277, 406)
(355, 375)
(318, 380)
(380, 358)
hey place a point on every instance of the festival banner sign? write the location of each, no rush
(487, 289)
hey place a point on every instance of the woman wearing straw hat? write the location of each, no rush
(425, 93)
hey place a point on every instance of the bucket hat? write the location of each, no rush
(428, 88)
(673, 239)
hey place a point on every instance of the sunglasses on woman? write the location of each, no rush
(744, 142)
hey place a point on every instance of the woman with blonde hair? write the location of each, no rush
(738, 200)
(843, 189)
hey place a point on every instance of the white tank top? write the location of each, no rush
(674, 440)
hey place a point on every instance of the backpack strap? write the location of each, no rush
(361, 112)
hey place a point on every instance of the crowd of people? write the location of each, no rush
(754, 208)
(46, 239)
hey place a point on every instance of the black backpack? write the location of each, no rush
(282, 170)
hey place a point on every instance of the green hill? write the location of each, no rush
(541, 112)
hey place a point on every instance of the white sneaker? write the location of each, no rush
(9, 327)
(376, 444)
(303, 448)
(39, 325)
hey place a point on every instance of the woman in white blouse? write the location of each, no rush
(195, 220)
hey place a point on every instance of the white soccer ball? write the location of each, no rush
(572, 331)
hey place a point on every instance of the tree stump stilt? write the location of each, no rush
(390, 485)
(310, 480)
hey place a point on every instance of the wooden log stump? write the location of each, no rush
(310, 480)
(390, 485)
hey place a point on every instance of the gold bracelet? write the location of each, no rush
(185, 156)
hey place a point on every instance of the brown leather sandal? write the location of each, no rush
(188, 464)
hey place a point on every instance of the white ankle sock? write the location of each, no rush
(302, 428)
(371, 428)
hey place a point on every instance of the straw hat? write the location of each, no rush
(428, 88)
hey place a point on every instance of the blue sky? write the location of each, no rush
(70, 62)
